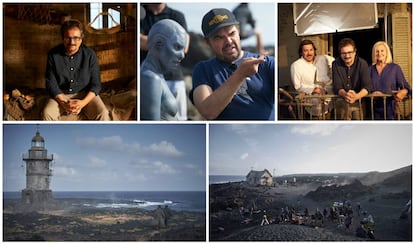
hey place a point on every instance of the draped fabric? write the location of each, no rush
(320, 18)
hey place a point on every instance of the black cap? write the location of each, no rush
(215, 19)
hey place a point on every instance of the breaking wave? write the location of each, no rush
(134, 204)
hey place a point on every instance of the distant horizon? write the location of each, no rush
(317, 173)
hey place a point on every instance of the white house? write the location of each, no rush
(263, 178)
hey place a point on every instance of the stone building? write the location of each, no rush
(37, 194)
(263, 178)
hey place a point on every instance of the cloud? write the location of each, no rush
(97, 162)
(319, 129)
(139, 161)
(111, 143)
(251, 142)
(163, 168)
(195, 169)
(190, 166)
(57, 158)
(164, 148)
(243, 129)
(116, 144)
(244, 156)
(246, 132)
(133, 177)
(64, 171)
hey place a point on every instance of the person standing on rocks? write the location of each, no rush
(160, 217)
(264, 220)
(167, 215)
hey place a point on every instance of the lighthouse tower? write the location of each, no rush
(37, 193)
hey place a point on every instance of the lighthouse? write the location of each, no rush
(37, 194)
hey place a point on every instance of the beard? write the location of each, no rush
(70, 48)
(309, 58)
(234, 55)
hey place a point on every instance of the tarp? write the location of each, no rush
(320, 18)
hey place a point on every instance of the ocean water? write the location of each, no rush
(194, 201)
(219, 179)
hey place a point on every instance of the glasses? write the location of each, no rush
(75, 38)
(347, 53)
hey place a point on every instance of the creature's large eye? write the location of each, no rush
(178, 47)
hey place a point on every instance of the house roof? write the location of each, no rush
(256, 173)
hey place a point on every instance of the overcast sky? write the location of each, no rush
(263, 12)
(309, 148)
(107, 157)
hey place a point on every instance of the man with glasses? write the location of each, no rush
(351, 80)
(73, 78)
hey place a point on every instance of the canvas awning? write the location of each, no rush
(320, 18)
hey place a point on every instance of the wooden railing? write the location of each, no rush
(299, 105)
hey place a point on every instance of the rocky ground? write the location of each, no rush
(92, 224)
(384, 200)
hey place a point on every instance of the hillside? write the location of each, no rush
(372, 178)
(396, 181)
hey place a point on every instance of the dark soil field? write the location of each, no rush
(237, 209)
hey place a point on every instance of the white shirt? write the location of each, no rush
(306, 76)
(303, 73)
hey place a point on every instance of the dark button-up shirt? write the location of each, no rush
(72, 74)
(356, 77)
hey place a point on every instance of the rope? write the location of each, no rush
(111, 30)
